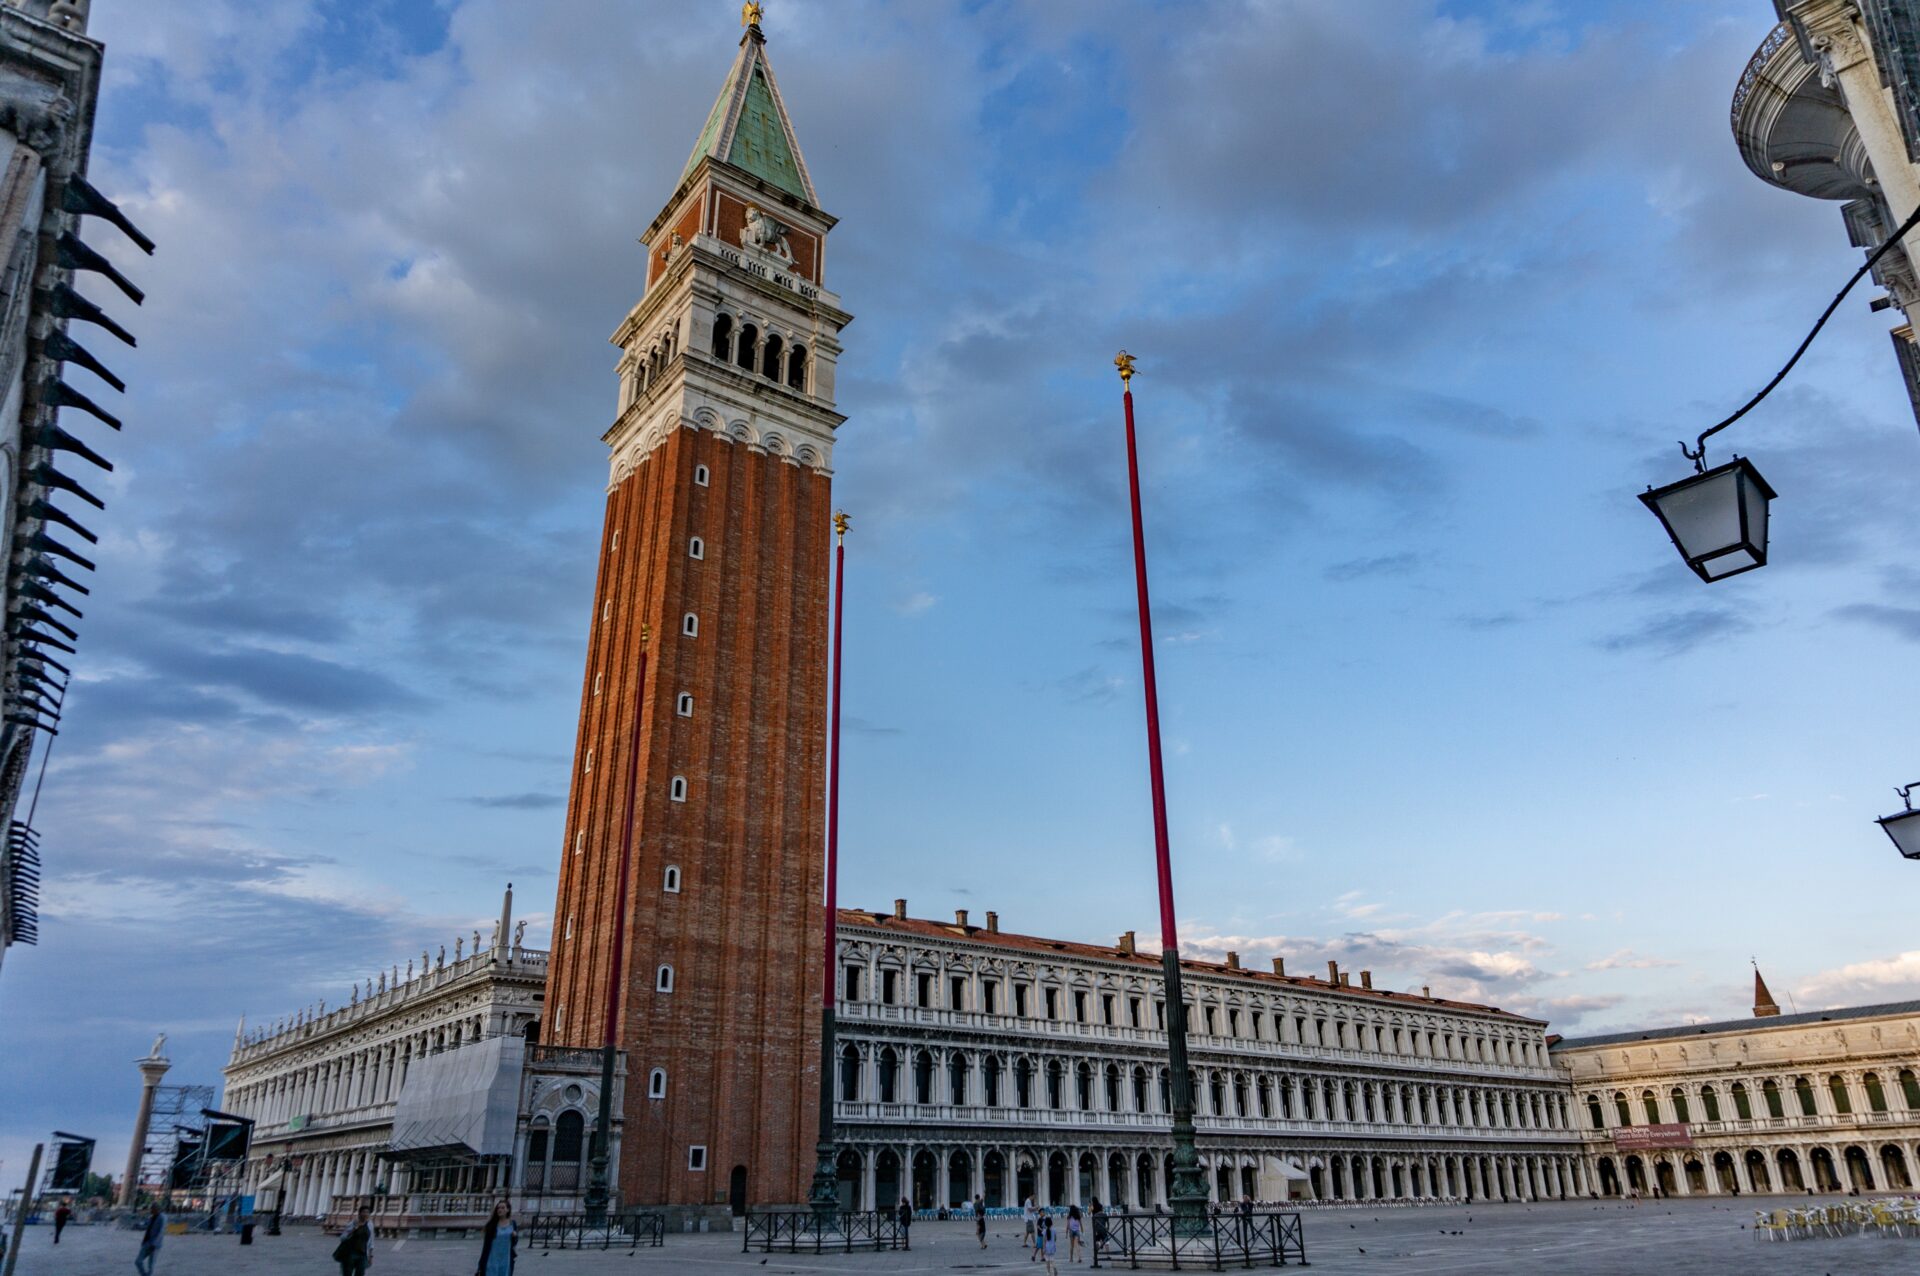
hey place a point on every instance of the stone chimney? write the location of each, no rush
(993, 922)
(1233, 960)
(960, 918)
(1279, 965)
(1346, 980)
(1127, 944)
(1366, 979)
(1333, 972)
(1426, 992)
(900, 910)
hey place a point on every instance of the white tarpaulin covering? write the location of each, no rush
(1286, 1169)
(462, 1101)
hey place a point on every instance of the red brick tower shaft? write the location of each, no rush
(717, 537)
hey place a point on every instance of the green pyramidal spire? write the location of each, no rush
(748, 126)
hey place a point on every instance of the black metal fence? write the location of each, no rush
(803, 1231)
(1212, 1243)
(574, 1231)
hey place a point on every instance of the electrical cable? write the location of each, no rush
(1697, 454)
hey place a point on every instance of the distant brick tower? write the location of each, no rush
(717, 540)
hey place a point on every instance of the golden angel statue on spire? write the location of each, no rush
(750, 14)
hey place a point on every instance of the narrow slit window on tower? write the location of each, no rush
(701, 476)
(596, 684)
(579, 841)
(569, 936)
(697, 1157)
(589, 760)
(696, 548)
(678, 789)
(683, 704)
(722, 336)
(606, 610)
(690, 625)
(616, 539)
(670, 880)
(663, 979)
(657, 1084)
(749, 338)
(797, 368)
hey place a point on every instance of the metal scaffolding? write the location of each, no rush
(174, 1107)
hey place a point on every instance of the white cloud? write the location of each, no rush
(1895, 978)
(1627, 959)
(916, 604)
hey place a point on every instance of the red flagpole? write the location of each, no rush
(1188, 1191)
(626, 847)
(825, 1196)
(840, 522)
(599, 1193)
(1169, 939)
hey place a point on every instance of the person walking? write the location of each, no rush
(1027, 1215)
(1073, 1233)
(906, 1223)
(1050, 1248)
(62, 1215)
(1041, 1223)
(354, 1253)
(150, 1241)
(980, 1220)
(499, 1243)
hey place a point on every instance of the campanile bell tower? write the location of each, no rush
(714, 557)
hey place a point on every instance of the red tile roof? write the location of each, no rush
(1149, 962)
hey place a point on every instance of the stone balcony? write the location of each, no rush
(1203, 1047)
(1792, 127)
(1842, 1123)
(1011, 1121)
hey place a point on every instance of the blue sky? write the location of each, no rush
(1422, 295)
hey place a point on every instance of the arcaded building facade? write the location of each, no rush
(1826, 1101)
(427, 1096)
(975, 1062)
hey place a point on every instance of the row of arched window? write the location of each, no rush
(743, 345)
(740, 343)
(1048, 1000)
(554, 1156)
(1773, 1101)
(649, 367)
(900, 1076)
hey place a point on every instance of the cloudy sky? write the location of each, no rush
(1423, 293)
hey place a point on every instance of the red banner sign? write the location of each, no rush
(1637, 1138)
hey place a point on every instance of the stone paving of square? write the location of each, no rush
(1671, 1238)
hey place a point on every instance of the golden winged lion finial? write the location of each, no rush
(749, 14)
(840, 524)
(1124, 362)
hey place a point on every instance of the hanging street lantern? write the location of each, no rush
(1904, 827)
(1716, 518)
